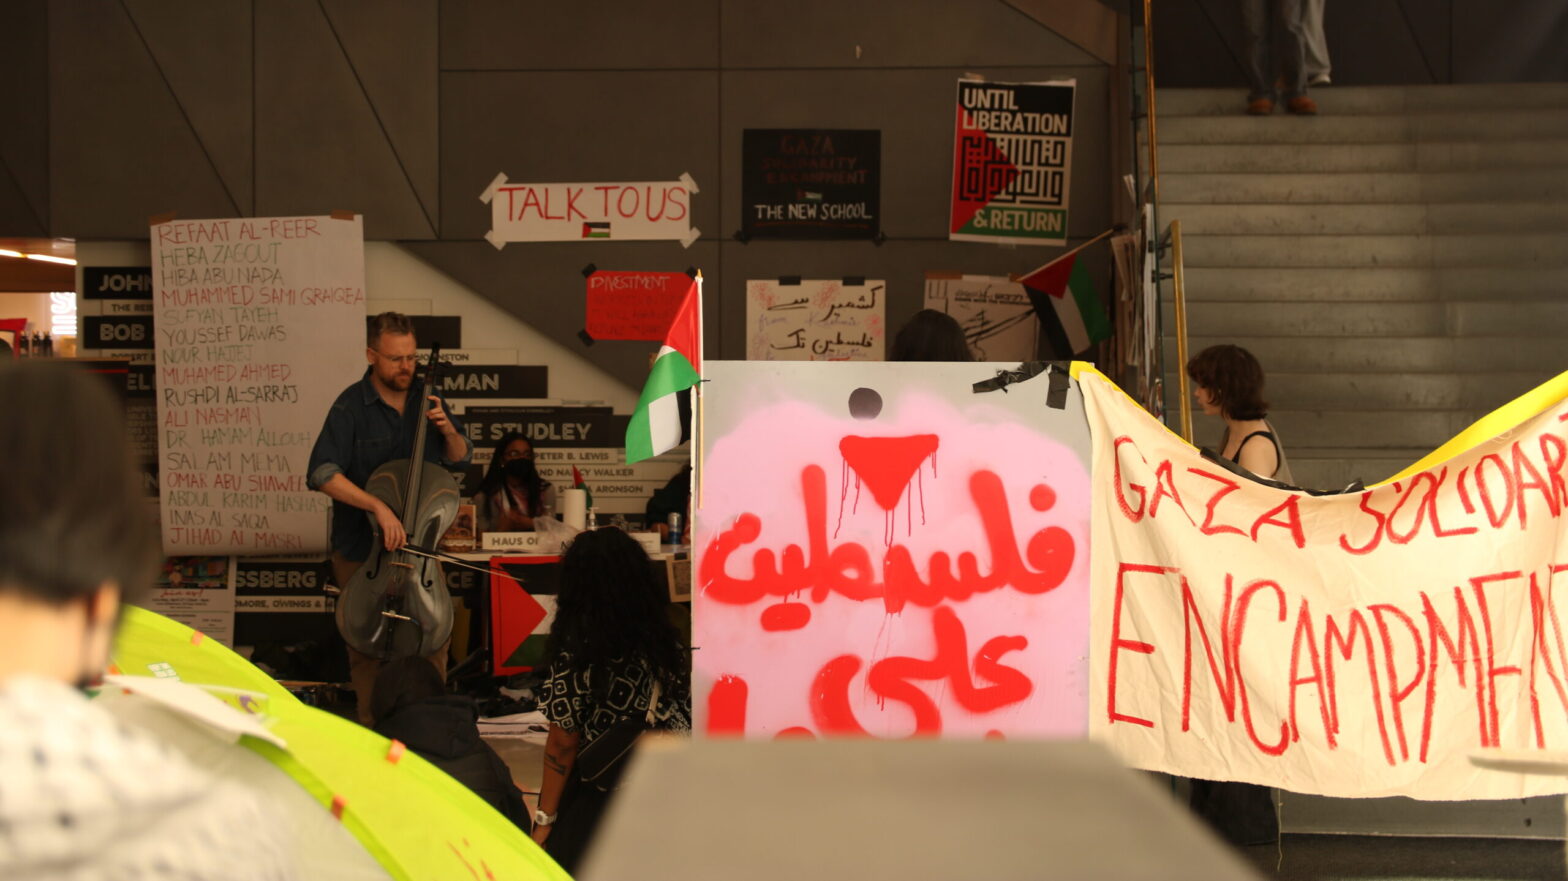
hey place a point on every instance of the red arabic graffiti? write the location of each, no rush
(847, 569)
(895, 679)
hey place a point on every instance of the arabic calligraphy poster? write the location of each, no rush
(815, 320)
(1012, 162)
(883, 552)
(811, 183)
(995, 312)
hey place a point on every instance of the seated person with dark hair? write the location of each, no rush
(673, 498)
(410, 704)
(512, 493)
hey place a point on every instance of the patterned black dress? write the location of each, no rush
(590, 702)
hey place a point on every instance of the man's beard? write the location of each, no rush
(399, 382)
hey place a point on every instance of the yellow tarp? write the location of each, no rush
(420, 824)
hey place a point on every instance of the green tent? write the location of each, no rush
(416, 821)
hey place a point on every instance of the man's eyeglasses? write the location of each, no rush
(400, 359)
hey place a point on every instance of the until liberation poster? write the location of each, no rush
(1012, 160)
(811, 183)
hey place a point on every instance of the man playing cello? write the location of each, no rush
(370, 424)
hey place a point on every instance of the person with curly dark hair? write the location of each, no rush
(612, 649)
(512, 492)
(930, 335)
(1228, 382)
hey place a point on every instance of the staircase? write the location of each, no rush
(1399, 263)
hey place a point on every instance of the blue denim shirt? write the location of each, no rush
(361, 434)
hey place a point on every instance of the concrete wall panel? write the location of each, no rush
(121, 145)
(602, 35)
(392, 47)
(204, 52)
(24, 120)
(319, 143)
(576, 126)
(911, 33)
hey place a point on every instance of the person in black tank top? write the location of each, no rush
(1228, 382)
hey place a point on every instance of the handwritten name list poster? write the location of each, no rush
(815, 320)
(257, 324)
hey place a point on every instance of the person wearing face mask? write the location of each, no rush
(370, 424)
(512, 492)
(86, 795)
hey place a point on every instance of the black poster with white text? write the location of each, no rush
(811, 183)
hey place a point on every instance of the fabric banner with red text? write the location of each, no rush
(884, 552)
(1355, 645)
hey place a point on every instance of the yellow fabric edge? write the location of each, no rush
(1514, 413)
(1079, 369)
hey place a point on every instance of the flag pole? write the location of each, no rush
(1062, 257)
(696, 415)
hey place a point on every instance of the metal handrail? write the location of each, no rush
(1177, 276)
(1178, 284)
(1148, 86)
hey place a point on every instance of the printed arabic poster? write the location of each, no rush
(883, 551)
(1357, 645)
(995, 312)
(581, 212)
(810, 183)
(197, 592)
(815, 320)
(1012, 162)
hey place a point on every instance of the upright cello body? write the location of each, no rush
(397, 604)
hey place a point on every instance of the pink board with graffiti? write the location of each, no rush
(884, 552)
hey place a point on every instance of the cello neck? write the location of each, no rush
(416, 459)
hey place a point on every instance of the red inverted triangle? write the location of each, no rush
(886, 464)
(997, 172)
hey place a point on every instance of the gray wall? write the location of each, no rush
(1378, 42)
(406, 109)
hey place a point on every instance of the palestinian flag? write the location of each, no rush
(656, 424)
(596, 230)
(1063, 288)
(578, 483)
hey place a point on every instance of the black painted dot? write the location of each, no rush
(865, 403)
(66, 821)
(40, 758)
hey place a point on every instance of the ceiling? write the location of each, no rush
(18, 275)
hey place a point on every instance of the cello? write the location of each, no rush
(397, 604)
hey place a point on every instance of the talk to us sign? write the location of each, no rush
(573, 212)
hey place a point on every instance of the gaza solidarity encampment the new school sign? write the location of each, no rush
(1012, 160)
(811, 183)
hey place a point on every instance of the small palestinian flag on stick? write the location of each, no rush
(1063, 288)
(656, 423)
(578, 483)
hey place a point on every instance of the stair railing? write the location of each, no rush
(1179, 288)
(1159, 240)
